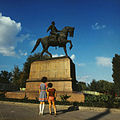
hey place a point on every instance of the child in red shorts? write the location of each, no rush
(51, 95)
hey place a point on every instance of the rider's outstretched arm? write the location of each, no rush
(49, 28)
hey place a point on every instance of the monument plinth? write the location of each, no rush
(59, 71)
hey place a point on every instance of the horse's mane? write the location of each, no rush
(65, 28)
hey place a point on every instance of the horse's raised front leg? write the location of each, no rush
(70, 44)
(65, 51)
(49, 53)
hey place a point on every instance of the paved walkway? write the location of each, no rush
(23, 111)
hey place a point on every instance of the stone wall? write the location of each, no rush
(15, 95)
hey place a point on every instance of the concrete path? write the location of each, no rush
(23, 111)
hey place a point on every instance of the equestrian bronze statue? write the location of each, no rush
(59, 39)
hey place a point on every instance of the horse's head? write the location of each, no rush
(70, 30)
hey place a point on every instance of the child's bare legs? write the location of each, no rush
(50, 106)
(41, 107)
(54, 107)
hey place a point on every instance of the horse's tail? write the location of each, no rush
(36, 45)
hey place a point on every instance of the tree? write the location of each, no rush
(81, 86)
(16, 77)
(5, 77)
(22, 80)
(93, 85)
(116, 71)
(105, 86)
(102, 86)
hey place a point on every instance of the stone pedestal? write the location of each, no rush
(59, 71)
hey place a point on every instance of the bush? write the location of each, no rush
(64, 100)
(102, 101)
(64, 97)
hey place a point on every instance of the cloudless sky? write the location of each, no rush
(96, 38)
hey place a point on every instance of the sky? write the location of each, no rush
(96, 37)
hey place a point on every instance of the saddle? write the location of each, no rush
(56, 41)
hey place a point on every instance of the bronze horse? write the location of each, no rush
(54, 41)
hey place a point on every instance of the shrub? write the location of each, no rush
(64, 97)
(102, 101)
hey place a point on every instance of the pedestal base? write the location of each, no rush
(34, 95)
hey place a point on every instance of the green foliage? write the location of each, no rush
(5, 77)
(16, 77)
(93, 85)
(101, 86)
(81, 86)
(116, 72)
(22, 80)
(64, 97)
(102, 101)
(100, 98)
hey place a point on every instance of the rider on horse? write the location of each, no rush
(54, 32)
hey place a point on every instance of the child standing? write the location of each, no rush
(51, 95)
(43, 95)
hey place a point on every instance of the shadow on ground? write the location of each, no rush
(97, 117)
(72, 108)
